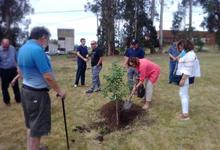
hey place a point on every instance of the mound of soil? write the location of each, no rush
(108, 112)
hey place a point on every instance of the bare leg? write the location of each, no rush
(33, 143)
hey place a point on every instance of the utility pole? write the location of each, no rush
(161, 25)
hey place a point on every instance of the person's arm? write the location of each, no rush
(183, 79)
(172, 57)
(53, 84)
(136, 86)
(79, 55)
(125, 61)
(14, 80)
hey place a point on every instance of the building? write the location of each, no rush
(206, 37)
(65, 40)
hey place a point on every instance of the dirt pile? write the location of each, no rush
(108, 112)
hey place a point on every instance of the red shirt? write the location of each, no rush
(148, 70)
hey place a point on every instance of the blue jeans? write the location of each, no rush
(132, 76)
(95, 77)
(172, 66)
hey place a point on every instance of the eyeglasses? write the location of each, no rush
(93, 43)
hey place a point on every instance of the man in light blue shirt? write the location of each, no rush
(36, 71)
(8, 71)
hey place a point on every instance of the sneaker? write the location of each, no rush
(89, 91)
(146, 105)
(97, 90)
(183, 117)
(75, 85)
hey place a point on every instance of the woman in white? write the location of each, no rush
(188, 66)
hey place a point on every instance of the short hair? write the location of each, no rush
(39, 32)
(82, 39)
(133, 60)
(188, 46)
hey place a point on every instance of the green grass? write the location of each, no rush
(157, 130)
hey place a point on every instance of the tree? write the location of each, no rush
(138, 24)
(106, 30)
(12, 14)
(177, 20)
(161, 24)
(212, 21)
(115, 87)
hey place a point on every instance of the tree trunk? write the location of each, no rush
(190, 19)
(152, 11)
(161, 25)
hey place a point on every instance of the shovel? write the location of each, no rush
(128, 103)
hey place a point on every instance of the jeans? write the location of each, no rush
(184, 96)
(80, 74)
(172, 66)
(132, 76)
(7, 76)
(95, 77)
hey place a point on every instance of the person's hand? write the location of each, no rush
(182, 82)
(62, 95)
(12, 83)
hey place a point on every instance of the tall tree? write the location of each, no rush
(212, 21)
(106, 30)
(12, 14)
(161, 24)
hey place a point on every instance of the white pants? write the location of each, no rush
(148, 90)
(184, 96)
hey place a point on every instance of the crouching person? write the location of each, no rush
(37, 74)
(149, 72)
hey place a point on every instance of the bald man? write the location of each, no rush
(8, 71)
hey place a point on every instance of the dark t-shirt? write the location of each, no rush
(96, 54)
(138, 52)
(83, 51)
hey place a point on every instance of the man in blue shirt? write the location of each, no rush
(8, 71)
(82, 58)
(133, 51)
(173, 54)
(36, 71)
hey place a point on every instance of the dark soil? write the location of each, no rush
(108, 112)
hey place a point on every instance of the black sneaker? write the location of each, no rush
(89, 91)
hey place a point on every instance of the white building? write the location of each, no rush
(65, 40)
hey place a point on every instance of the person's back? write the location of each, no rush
(30, 57)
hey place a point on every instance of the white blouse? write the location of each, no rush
(189, 65)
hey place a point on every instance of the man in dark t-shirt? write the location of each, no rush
(96, 63)
(82, 58)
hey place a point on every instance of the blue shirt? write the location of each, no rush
(8, 57)
(138, 52)
(33, 63)
(83, 52)
(173, 51)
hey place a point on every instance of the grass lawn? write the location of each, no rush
(158, 129)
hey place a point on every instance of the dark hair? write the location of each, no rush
(180, 42)
(133, 60)
(39, 32)
(188, 46)
(82, 39)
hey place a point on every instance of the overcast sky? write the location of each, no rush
(84, 23)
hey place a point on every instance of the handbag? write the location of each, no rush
(141, 91)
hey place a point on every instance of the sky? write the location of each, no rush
(85, 23)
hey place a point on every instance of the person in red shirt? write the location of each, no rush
(149, 72)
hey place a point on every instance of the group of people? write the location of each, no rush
(34, 67)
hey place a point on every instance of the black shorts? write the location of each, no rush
(37, 111)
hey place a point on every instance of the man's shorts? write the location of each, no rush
(37, 111)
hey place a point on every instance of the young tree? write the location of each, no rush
(12, 13)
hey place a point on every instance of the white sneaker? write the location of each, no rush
(75, 86)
